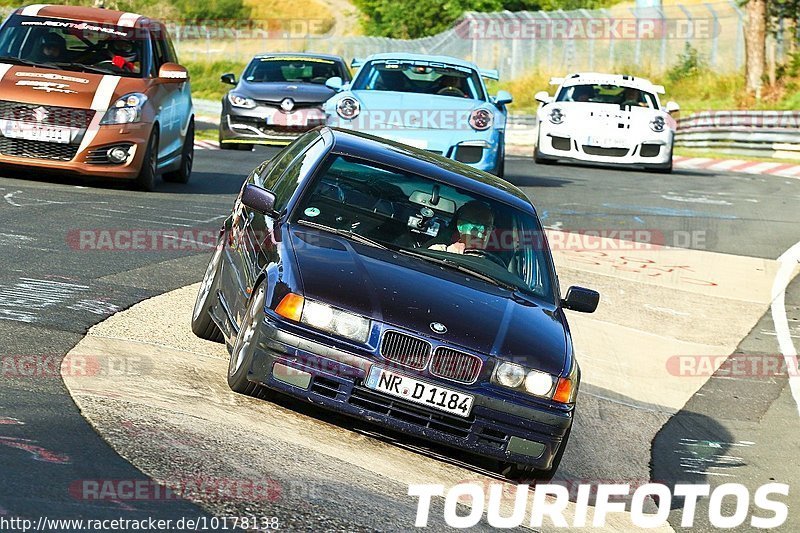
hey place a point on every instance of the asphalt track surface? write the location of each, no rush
(51, 292)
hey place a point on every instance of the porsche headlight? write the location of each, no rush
(481, 119)
(126, 109)
(657, 124)
(237, 100)
(348, 108)
(556, 115)
(533, 382)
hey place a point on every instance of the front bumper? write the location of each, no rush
(481, 150)
(72, 158)
(652, 150)
(266, 125)
(334, 379)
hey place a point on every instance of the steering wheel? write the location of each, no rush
(450, 90)
(491, 256)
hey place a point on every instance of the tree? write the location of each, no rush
(755, 35)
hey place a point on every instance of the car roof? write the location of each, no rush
(423, 57)
(424, 163)
(82, 13)
(301, 54)
(598, 78)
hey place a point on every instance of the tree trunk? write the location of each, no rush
(755, 33)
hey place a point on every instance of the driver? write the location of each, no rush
(450, 84)
(471, 226)
(124, 55)
(52, 47)
(582, 93)
(632, 97)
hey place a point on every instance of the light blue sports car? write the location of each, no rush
(436, 103)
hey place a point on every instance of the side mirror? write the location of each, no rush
(543, 97)
(672, 107)
(230, 79)
(334, 83)
(581, 300)
(173, 72)
(503, 98)
(259, 199)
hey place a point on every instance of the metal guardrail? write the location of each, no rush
(774, 134)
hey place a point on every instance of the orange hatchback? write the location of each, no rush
(93, 92)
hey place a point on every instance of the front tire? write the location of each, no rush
(245, 346)
(202, 324)
(538, 158)
(146, 180)
(183, 174)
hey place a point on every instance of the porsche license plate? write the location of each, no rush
(421, 392)
(605, 142)
(36, 132)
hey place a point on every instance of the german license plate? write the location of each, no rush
(606, 142)
(420, 392)
(36, 132)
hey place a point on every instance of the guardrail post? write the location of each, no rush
(739, 34)
(611, 57)
(637, 51)
(588, 16)
(549, 40)
(715, 37)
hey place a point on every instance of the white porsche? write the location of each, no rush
(606, 118)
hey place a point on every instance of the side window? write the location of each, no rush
(291, 166)
(162, 52)
(278, 164)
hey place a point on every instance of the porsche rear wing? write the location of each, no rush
(491, 74)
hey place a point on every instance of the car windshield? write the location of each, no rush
(431, 221)
(425, 77)
(608, 94)
(71, 45)
(291, 69)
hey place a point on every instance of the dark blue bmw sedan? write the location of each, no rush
(396, 286)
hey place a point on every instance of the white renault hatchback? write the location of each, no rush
(606, 118)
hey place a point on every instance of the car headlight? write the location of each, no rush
(481, 119)
(556, 115)
(535, 382)
(324, 317)
(657, 124)
(510, 375)
(348, 108)
(126, 109)
(237, 100)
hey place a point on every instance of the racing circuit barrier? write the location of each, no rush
(772, 134)
(515, 43)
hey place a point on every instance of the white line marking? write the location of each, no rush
(100, 103)
(788, 261)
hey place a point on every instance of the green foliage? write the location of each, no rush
(212, 9)
(689, 65)
(205, 75)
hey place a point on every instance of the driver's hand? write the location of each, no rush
(456, 248)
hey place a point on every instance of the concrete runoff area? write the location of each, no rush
(656, 305)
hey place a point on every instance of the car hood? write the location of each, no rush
(64, 88)
(301, 93)
(423, 111)
(410, 293)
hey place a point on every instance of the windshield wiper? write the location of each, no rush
(352, 235)
(460, 268)
(81, 68)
